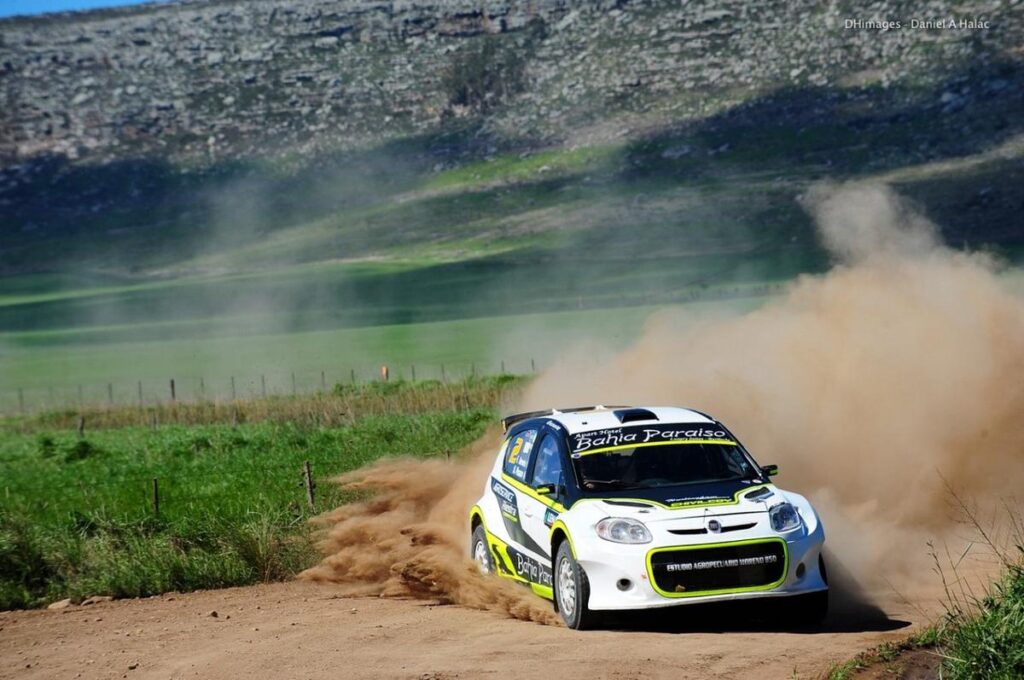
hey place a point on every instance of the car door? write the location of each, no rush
(540, 507)
(513, 489)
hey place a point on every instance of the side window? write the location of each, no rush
(549, 463)
(519, 453)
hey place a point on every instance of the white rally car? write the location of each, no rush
(614, 508)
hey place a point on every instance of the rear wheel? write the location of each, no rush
(479, 551)
(572, 591)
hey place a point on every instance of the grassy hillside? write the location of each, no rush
(499, 227)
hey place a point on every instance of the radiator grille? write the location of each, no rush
(677, 572)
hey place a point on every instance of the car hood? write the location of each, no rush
(712, 500)
(745, 509)
(717, 494)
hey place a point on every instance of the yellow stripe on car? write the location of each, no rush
(498, 546)
(519, 486)
(559, 524)
(606, 449)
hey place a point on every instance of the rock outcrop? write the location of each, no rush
(211, 79)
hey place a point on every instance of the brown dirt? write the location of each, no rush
(308, 630)
(915, 664)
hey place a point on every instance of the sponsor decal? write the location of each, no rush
(701, 565)
(549, 517)
(506, 500)
(529, 568)
(518, 458)
(697, 500)
(509, 504)
(624, 437)
(517, 447)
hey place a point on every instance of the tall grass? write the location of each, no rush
(988, 642)
(342, 405)
(77, 516)
(983, 633)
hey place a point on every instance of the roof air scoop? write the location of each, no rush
(632, 415)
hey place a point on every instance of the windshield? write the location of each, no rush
(647, 459)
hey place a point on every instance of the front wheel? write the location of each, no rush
(572, 590)
(479, 551)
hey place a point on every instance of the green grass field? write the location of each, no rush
(48, 374)
(77, 515)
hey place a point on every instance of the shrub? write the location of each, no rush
(79, 450)
(45, 445)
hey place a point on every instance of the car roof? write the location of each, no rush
(587, 418)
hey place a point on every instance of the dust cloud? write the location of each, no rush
(874, 387)
(410, 539)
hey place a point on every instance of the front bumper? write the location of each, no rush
(610, 567)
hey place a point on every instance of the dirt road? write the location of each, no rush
(301, 630)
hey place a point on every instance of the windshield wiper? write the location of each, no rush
(587, 482)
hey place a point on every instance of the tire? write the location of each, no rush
(480, 552)
(807, 610)
(572, 591)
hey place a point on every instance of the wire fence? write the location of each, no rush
(294, 484)
(228, 388)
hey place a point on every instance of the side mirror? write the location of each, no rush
(770, 470)
(549, 489)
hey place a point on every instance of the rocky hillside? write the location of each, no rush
(198, 132)
(217, 78)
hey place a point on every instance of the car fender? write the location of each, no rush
(579, 525)
(807, 512)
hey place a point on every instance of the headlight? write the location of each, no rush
(623, 530)
(784, 517)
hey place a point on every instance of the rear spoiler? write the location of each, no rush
(509, 421)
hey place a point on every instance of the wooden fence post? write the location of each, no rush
(81, 427)
(202, 388)
(173, 395)
(308, 478)
(140, 394)
(533, 366)
(110, 394)
(323, 381)
(263, 385)
(294, 391)
(443, 378)
(156, 497)
(21, 401)
(80, 400)
(353, 371)
(233, 396)
(414, 372)
(503, 367)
